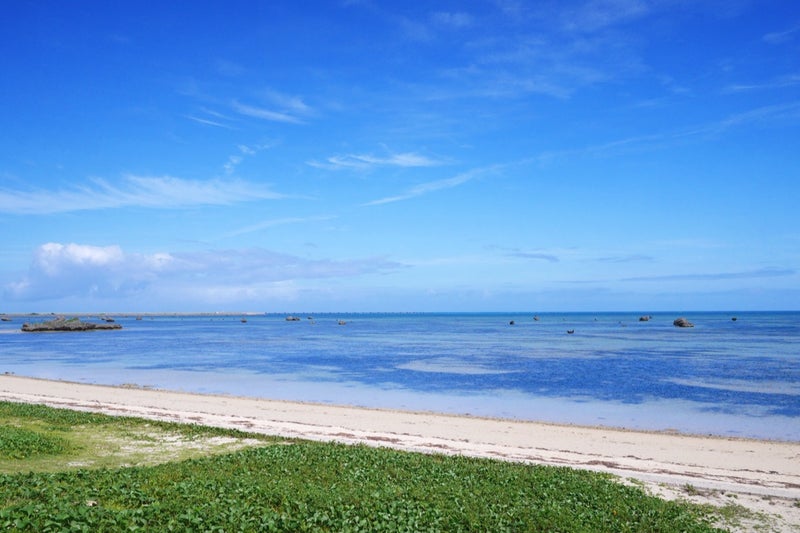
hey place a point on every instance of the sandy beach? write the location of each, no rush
(761, 475)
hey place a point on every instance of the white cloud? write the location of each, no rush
(52, 258)
(133, 191)
(79, 271)
(61, 270)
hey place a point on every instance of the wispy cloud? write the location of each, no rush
(453, 19)
(595, 15)
(244, 151)
(231, 164)
(229, 68)
(429, 187)
(288, 103)
(630, 258)
(368, 161)
(210, 117)
(267, 224)
(784, 36)
(764, 114)
(778, 83)
(208, 122)
(257, 264)
(279, 108)
(265, 114)
(536, 255)
(718, 276)
(132, 191)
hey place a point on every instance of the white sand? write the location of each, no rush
(762, 475)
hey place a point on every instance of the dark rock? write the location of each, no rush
(645, 318)
(291, 318)
(63, 324)
(682, 323)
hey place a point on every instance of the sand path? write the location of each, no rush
(761, 475)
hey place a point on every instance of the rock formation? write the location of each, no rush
(64, 324)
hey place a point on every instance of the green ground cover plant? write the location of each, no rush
(39, 438)
(293, 485)
(19, 443)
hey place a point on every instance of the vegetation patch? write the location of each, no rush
(43, 439)
(20, 443)
(310, 486)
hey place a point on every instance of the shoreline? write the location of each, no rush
(504, 438)
(764, 475)
(411, 412)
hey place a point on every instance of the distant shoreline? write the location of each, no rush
(633, 314)
(133, 315)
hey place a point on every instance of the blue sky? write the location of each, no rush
(400, 156)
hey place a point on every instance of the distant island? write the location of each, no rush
(66, 324)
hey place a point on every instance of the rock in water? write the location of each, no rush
(63, 324)
(682, 323)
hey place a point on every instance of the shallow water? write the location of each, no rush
(724, 377)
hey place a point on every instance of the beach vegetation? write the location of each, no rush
(736, 516)
(52, 440)
(294, 485)
(21, 443)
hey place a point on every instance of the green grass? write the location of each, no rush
(291, 485)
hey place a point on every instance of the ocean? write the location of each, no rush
(738, 378)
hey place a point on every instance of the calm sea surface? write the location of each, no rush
(723, 377)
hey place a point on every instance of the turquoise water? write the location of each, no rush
(724, 377)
